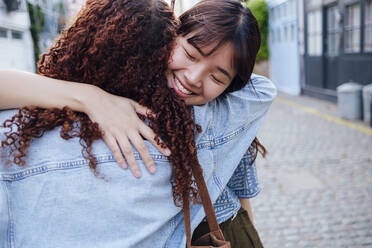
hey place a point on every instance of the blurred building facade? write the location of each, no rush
(333, 41)
(284, 45)
(16, 44)
(338, 45)
(16, 49)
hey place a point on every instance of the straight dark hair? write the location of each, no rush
(221, 21)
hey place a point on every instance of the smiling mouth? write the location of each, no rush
(180, 89)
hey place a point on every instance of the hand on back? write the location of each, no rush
(117, 118)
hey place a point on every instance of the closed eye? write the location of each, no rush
(189, 55)
(217, 80)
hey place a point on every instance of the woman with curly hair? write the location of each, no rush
(108, 46)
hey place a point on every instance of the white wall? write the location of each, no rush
(183, 5)
(16, 53)
(284, 48)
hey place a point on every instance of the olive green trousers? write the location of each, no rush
(239, 230)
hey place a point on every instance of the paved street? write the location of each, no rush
(317, 178)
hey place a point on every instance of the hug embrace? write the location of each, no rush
(67, 133)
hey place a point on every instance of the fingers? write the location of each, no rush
(115, 149)
(142, 110)
(142, 149)
(127, 150)
(149, 134)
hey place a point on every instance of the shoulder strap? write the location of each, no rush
(207, 204)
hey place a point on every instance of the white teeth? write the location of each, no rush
(182, 89)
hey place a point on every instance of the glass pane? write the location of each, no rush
(293, 8)
(314, 33)
(368, 27)
(368, 39)
(352, 29)
(285, 33)
(3, 33)
(16, 35)
(368, 17)
(333, 31)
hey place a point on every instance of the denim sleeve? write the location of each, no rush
(244, 182)
(238, 110)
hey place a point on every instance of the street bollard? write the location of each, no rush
(367, 100)
(349, 98)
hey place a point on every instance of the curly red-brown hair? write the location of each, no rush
(123, 47)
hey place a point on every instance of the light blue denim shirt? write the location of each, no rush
(56, 201)
(243, 184)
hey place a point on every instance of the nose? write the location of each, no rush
(194, 76)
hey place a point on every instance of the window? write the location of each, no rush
(285, 12)
(352, 29)
(278, 35)
(16, 35)
(293, 32)
(314, 33)
(285, 33)
(333, 37)
(368, 27)
(293, 8)
(3, 33)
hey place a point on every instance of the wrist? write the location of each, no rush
(83, 96)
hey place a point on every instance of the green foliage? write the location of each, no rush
(260, 11)
(37, 19)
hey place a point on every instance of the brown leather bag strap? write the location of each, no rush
(207, 204)
(186, 217)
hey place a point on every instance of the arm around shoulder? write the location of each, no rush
(241, 108)
(19, 89)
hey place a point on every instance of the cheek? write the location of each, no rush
(176, 60)
(212, 91)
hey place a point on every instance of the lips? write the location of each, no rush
(180, 89)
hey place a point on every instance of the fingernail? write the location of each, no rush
(152, 169)
(167, 152)
(124, 165)
(137, 173)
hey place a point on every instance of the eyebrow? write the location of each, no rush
(205, 55)
(224, 72)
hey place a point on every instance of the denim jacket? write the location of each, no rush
(243, 184)
(56, 201)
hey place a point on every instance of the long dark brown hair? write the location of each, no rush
(123, 47)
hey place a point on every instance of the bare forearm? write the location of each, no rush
(246, 204)
(19, 89)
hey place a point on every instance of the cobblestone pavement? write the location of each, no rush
(316, 180)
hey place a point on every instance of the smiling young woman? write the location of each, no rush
(199, 78)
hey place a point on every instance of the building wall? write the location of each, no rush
(16, 48)
(183, 5)
(338, 45)
(283, 43)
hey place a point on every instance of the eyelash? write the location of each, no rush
(189, 56)
(215, 79)
(193, 58)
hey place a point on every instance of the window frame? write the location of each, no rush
(345, 28)
(364, 28)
